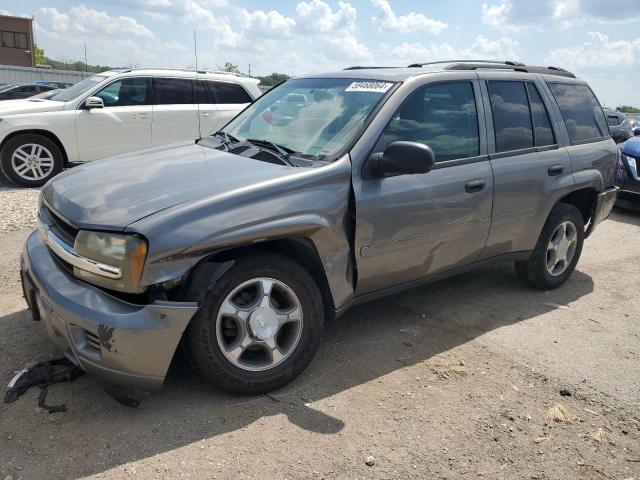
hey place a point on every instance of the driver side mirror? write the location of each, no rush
(93, 102)
(400, 158)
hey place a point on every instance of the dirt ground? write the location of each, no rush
(448, 381)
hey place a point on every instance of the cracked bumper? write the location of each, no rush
(119, 343)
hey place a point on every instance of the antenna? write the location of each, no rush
(197, 85)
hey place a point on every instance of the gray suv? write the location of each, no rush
(328, 191)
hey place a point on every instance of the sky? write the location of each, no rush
(596, 39)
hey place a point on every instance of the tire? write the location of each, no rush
(211, 335)
(536, 271)
(15, 159)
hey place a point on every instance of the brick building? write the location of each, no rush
(16, 41)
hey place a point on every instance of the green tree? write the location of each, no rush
(273, 79)
(229, 67)
(628, 109)
(39, 55)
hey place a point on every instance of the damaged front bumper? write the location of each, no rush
(121, 344)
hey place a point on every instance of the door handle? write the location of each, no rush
(205, 114)
(474, 185)
(555, 170)
(140, 115)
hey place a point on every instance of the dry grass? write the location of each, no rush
(601, 435)
(445, 372)
(558, 413)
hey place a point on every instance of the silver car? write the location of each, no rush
(328, 191)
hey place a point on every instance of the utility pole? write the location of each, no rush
(86, 66)
(249, 69)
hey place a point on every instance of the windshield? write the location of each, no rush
(77, 89)
(315, 117)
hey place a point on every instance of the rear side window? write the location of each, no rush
(173, 91)
(511, 116)
(613, 120)
(442, 116)
(581, 111)
(228, 93)
(542, 131)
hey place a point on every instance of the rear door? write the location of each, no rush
(527, 160)
(123, 125)
(175, 112)
(413, 226)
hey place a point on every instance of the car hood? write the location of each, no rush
(631, 147)
(37, 105)
(114, 192)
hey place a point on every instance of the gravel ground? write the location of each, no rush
(17, 206)
(448, 381)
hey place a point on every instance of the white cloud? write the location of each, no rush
(501, 49)
(495, 15)
(272, 23)
(599, 51)
(409, 23)
(318, 16)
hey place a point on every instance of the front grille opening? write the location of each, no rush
(60, 227)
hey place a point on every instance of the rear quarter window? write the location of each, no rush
(228, 93)
(581, 111)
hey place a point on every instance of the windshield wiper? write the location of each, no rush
(226, 138)
(282, 150)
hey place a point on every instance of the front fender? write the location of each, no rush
(313, 206)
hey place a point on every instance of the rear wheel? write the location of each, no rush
(558, 249)
(259, 327)
(30, 160)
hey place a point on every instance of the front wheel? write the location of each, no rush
(259, 327)
(30, 160)
(557, 251)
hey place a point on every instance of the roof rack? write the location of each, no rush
(364, 67)
(200, 70)
(497, 65)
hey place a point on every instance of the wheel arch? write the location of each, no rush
(585, 200)
(45, 133)
(204, 275)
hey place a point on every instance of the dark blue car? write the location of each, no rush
(629, 175)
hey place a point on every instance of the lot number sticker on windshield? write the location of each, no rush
(379, 87)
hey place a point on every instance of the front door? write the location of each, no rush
(123, 125)
(413, 226)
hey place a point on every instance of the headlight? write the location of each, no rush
(633, 165)
(126, 252)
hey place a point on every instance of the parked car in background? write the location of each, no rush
(46, 95)
(328, 191)
(618, 125)
(49, 83)
(15, 92)
(629, 174)
(115, 112)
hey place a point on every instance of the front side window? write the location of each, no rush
(125, 92)
(442, 116)
(511, 115)
(173, 91)
(316, 117)
(228, 93)
(581, 111)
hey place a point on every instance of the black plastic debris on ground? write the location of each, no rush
(42, 375)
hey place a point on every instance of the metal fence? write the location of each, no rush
(13, 74)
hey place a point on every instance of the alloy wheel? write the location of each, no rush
(561, 248)
(259, 324)
(32, 161)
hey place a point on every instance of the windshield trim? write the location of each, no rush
(349, 145)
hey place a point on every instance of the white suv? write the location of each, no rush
(115, 112)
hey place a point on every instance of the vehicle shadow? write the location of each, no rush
(632, 217)
(365, 344)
